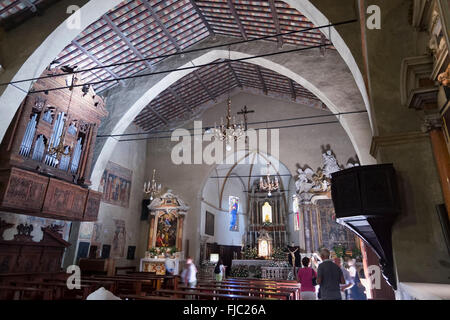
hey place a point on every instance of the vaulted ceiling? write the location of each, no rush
(208, 83)
(142, 29)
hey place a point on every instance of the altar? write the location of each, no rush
(157, 265)
(263, 269)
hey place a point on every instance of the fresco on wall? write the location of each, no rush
(37, 223)
(234, 207)
(166, 233)
(116, 185)
(86, 229)
(96, 238)
(118, 244)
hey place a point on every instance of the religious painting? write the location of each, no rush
(118, 244)
(267, 213)
(166, 232)
(86, 229)
(116, 185)
(209, 224)
(96, 238)
(332, 233)
(234, 219)
(131, 252)
(106, 251)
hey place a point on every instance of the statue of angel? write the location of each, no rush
(304, 181)
(330, 164)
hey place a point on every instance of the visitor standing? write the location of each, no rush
(189, 274)
(219, 271)
(329, 277)
(348, 280)
(308, 280)
(357, 291)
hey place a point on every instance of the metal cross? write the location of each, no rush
(245, 112)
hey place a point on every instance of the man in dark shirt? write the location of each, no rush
(329, 277)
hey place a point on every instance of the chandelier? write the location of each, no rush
(151, 187)
(229, 132)
(268, 184)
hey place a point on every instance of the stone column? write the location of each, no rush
(433, 124)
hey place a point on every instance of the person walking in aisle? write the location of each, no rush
(307, 278)
(219, 271)
(329, 277)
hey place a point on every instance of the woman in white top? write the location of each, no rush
(219, 271)
(189, 274)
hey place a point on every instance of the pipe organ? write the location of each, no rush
(66, 120)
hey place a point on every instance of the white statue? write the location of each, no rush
(304, 181)
(330, 164)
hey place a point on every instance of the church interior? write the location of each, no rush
(138, 136)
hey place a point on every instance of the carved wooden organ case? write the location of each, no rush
(33, 180)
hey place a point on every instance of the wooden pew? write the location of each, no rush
(60, 290)
(242, 291)
(293, 291)
(123, 283)
(192, 292)
(20, 293)
(135, 297)
(126, 269)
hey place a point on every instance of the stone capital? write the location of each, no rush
(431, 122)
(395, 139)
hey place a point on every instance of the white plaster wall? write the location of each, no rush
(130, 155)
(222, 233)
(298, 146)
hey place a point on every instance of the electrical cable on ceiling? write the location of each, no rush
(256, 129)
(143, 75)
(305, 30)
(250, 123)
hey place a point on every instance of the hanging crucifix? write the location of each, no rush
(245, 112)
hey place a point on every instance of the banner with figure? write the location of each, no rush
(234, 219)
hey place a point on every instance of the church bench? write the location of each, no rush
(247, 292)
(60, 289)
(125, 284)
(21, 293)
(157, 280)
(130, 269)
(294, 292)
(151, 297)
(192, 292)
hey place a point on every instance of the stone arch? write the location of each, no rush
(358, 128)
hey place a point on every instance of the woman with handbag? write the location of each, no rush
(308, 280)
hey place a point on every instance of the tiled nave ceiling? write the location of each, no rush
(138, 29)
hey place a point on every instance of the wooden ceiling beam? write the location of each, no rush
(124, 38)
(211, 96)
(153, 13)
(98, 62)
(180, 100)
(261, 79)
(276, 21)
(236, 18)
(202, 17)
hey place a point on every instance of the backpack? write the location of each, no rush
(217, 269)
